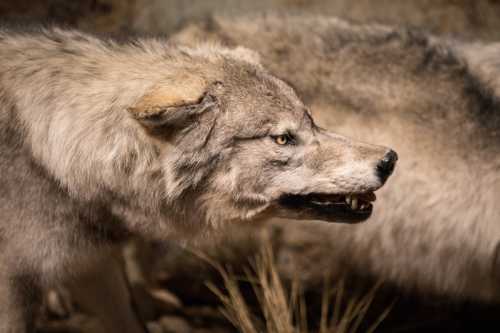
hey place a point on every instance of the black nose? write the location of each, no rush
(386, 165)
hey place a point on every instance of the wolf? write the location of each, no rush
(101, 140)
(436, 101)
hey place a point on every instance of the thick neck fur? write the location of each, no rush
(71, 92)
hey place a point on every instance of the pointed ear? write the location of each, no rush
(172, 104)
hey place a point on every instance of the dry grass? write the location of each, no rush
(283, 309)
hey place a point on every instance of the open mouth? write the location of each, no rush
(343, 208)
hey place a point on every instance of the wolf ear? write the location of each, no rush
(172, 105)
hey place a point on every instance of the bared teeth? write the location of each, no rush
(359, 201)
(354, 203)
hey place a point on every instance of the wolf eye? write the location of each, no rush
(284, 139)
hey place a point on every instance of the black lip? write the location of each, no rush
(337, 212)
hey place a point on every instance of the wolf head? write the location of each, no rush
(236, 143)
(190, 135)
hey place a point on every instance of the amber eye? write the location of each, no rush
(284, 139)
(281, 139)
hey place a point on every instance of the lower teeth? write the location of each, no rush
(354, 203)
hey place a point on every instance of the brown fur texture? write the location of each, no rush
(436, 102)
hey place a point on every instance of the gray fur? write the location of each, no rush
(102, 140)
(437, 103)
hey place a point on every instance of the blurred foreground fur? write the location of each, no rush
(436, 101)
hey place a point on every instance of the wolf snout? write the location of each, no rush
(386, 165)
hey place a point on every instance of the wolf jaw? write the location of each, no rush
(342, 208)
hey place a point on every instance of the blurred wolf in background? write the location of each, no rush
(437, 103)
(93, 132)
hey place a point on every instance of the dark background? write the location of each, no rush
(470, 19)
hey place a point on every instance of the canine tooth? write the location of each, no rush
(354, 203)
(363, 207)
(348, 199)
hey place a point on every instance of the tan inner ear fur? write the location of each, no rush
(188, 90)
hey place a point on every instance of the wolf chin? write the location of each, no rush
(101, 140)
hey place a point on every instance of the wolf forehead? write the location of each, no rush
(252, 100)
(239, 72)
